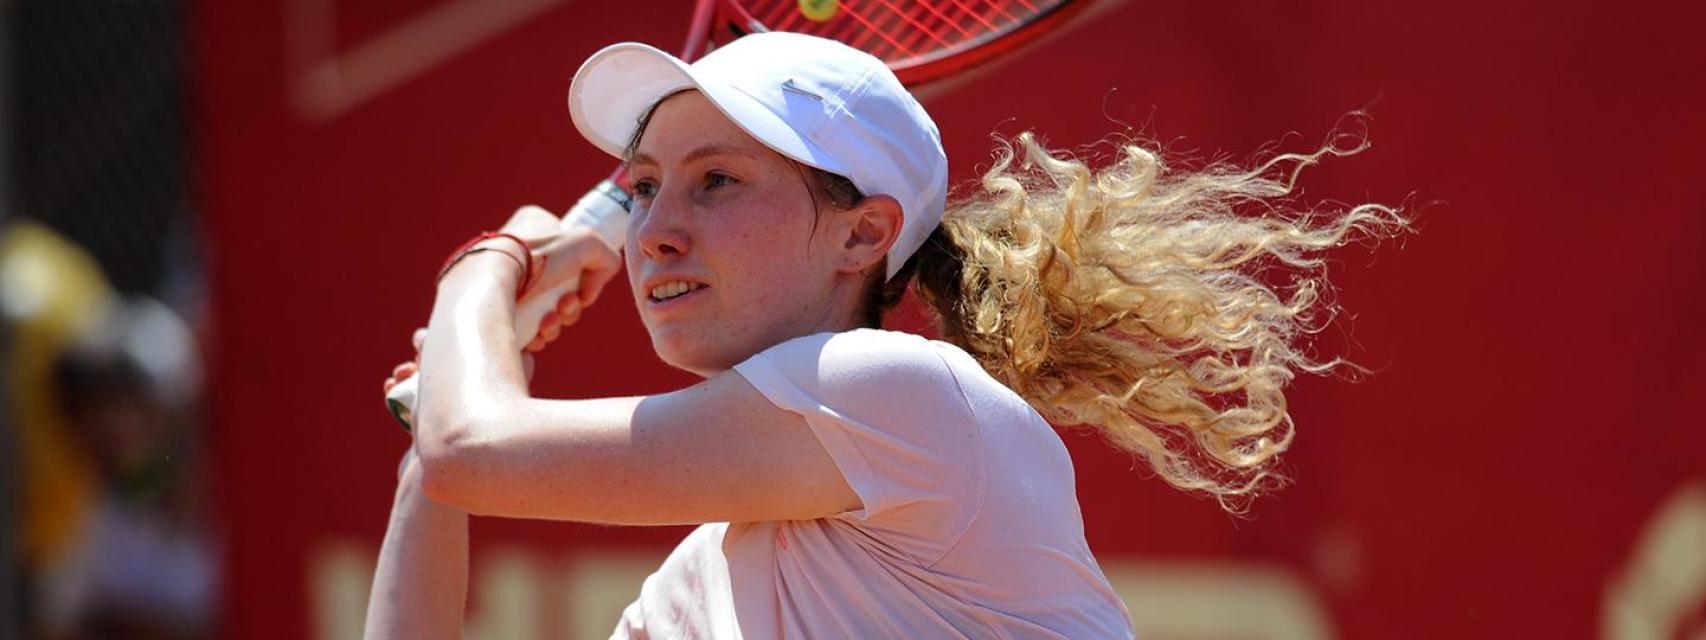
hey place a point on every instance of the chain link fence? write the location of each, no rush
(100, 148)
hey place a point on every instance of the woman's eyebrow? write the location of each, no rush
(715, 150)
(695, 155)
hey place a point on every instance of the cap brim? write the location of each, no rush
(621, 81)
(616, 85)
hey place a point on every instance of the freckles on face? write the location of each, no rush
(730, 221)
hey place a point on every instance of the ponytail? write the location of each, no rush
(1142, 301)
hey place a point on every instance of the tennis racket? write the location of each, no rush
(921, 41)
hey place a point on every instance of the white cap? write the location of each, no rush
(818, 101)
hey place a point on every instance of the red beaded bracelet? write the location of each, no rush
(468, 248)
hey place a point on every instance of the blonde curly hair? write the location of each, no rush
(1145, 301)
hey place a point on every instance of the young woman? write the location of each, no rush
(849, 481)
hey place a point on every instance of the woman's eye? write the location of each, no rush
(714, 180)
(644, 188)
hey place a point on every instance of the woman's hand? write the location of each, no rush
(573, 263)
(574, 259)
(567, 313)
(576, 254)
(402, 371)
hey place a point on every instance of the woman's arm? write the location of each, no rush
(716, 451)
(421, 585)
(472, 325)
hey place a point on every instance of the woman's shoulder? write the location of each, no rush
(884, 376)
(899, 371)
(858, 353)
(876, 342)
(877, 359)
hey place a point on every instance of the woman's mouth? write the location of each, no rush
(672, 291)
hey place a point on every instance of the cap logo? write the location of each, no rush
(788, 85)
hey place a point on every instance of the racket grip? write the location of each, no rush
(605, 210)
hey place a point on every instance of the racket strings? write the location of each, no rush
(904, 33)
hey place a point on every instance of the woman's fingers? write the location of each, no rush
(400, 373)
(566, 314)
(569, 309)
(552, 324)
(527, 365)
(565, 257)
(593, 281)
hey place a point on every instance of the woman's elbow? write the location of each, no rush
(447, 458)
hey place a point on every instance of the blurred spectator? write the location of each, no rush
(113, 541)
(51, 292)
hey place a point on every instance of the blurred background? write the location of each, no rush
(219, 223)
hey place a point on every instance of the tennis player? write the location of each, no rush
(851, 482)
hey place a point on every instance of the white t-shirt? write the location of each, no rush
(969, 526)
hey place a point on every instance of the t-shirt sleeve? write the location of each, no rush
(891, 414)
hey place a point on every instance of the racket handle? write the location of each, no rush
(605, 210)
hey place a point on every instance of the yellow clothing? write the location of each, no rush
(51, 293)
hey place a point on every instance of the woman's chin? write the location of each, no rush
(692, 352)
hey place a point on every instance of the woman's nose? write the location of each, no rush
(662, 228)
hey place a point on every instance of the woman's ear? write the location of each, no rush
(872, 226)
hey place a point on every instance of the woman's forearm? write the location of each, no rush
(471, 363)
(421, 585)
(474, 413)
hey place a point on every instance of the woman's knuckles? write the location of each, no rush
(569, 305)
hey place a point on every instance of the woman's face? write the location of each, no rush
(721, 251)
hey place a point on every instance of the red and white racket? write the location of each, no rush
(921, 41)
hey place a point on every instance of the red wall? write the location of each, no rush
(1535, 346)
